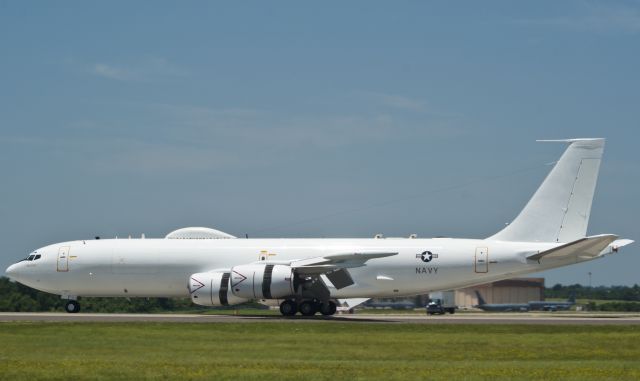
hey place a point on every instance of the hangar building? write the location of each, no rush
(516, 290)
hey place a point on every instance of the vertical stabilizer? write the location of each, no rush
(481, 301)
(559, 210)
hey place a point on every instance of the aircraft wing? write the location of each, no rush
(588, 247)
(331, 262)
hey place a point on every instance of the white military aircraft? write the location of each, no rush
(311, 275)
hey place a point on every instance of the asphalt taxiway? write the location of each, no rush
(549, 319)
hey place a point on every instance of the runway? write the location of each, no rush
(549, 319)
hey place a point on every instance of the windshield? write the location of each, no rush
(32, 257)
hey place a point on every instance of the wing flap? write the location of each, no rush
(340, 278)
(352, 302)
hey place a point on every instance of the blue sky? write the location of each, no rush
(311, 120)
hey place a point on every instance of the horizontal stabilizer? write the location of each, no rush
(616, 245)
(620, 243)
(584, 247)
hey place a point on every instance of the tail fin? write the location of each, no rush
(481, 301)
(559, 210)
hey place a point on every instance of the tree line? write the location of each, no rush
(17, 297)
(599, 293)
(616, 298)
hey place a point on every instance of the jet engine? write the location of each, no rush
(212, 289)
(262, 281)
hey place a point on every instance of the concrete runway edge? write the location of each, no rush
(595, 319)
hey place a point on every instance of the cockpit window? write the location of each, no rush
(37, 257)
(30, 258)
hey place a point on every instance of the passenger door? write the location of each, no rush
(482, 260)
(63, 259)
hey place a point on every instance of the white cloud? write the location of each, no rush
(262, 128)
(596, 16)
(169, 137)
(163, 157)
(107, 71)
(398, 101)
(149, 70)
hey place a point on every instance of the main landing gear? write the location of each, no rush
(307, 308)
(72, 306)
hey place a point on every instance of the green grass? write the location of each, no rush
(317, 351)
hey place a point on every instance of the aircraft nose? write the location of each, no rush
(12, 271)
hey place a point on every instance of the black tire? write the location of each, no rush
(308, 308)
(452, 311)
(288, 308)
(72, 306)
(328, 308)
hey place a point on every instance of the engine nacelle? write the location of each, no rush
(262, 281)
(212, 289)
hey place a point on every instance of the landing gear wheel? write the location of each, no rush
(328, 308)
(288, 308)
(72, 307)
(308, 308)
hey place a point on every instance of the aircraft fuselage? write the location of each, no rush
(161, 267)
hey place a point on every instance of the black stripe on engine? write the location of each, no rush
(266, 282)
(224, 288)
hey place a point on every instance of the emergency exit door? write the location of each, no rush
(482, 260)
(63, 258)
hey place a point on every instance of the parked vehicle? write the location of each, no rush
(441, 302)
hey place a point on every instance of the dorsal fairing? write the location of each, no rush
(198, 233)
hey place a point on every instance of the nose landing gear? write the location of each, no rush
(72, 306)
